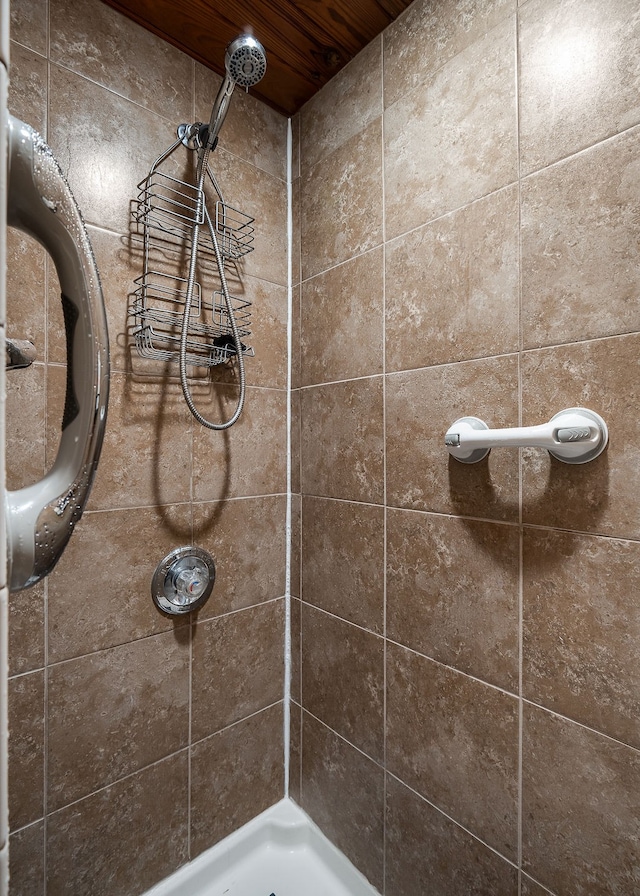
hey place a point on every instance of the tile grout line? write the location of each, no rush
(454, 821)
(300, 471)
(156, 762)
(395, 777)
(441, 514)
(598, 733)
(576, 153)
(158, 634)
(456, 363)
(288, 508)
(149, 110)
(517, 63)
(185, 503)
(384, 483)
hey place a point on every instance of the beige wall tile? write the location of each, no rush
(531, 888)
(268, 332)
(296, 336)
(296, 650)
(342, 440)
(295, 755)
(451, 287)
(119, 264)
(26, 629)
(341, 202)
(580, 246)
(146, 456)
(94, 40)
(429, 34)
(420, 407)
(581, 630)
(26, 860)
(249, 458)
(54, 331)
(344, 107)
(28, 87)
(238, 667)
(296, 231)
(578, 75)
(296, 438)
(454, 141)
(341, 321)
(452, 592)
(295, 154)
(428, 853)
(225, 794)
(92, 607)
(26, 749)
(343, 679)
(120, 140)
(247, 540)
(26, 291)
(206, 86)
(602, 375)
(116, 730)
(343, 560)
(296, 545)
(25, 420)
(28, 25)
(455, 741)
(580, 807)
(96, 844)
(343, 792)
(263, 197)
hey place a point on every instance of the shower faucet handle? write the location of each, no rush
(574, 436)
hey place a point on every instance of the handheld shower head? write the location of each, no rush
(246, 63)
(245, 60)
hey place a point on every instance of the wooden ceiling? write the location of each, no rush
(306, 42)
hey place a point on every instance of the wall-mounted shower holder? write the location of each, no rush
(166, 211)
(574, 436)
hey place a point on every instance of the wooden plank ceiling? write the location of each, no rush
(306, 42)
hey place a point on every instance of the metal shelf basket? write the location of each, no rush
(166, 210)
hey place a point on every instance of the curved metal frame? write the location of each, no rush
(41, 517)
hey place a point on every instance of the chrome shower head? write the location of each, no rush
(246, 63)
(245, 60)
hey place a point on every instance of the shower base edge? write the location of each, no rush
(280, 852)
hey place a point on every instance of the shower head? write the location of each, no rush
(245, 60)
(246, 63)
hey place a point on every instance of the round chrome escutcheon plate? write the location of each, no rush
(183, 581)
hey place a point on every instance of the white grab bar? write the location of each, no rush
(574, 436)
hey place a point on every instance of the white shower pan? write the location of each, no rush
(279, 853)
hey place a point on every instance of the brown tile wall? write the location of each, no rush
(137, 742)
(466, 637)
(464, 670)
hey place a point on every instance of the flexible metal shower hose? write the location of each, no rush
(201, 172)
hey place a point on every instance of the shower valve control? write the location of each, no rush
(183, 581)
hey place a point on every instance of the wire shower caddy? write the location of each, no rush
(167, 209)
